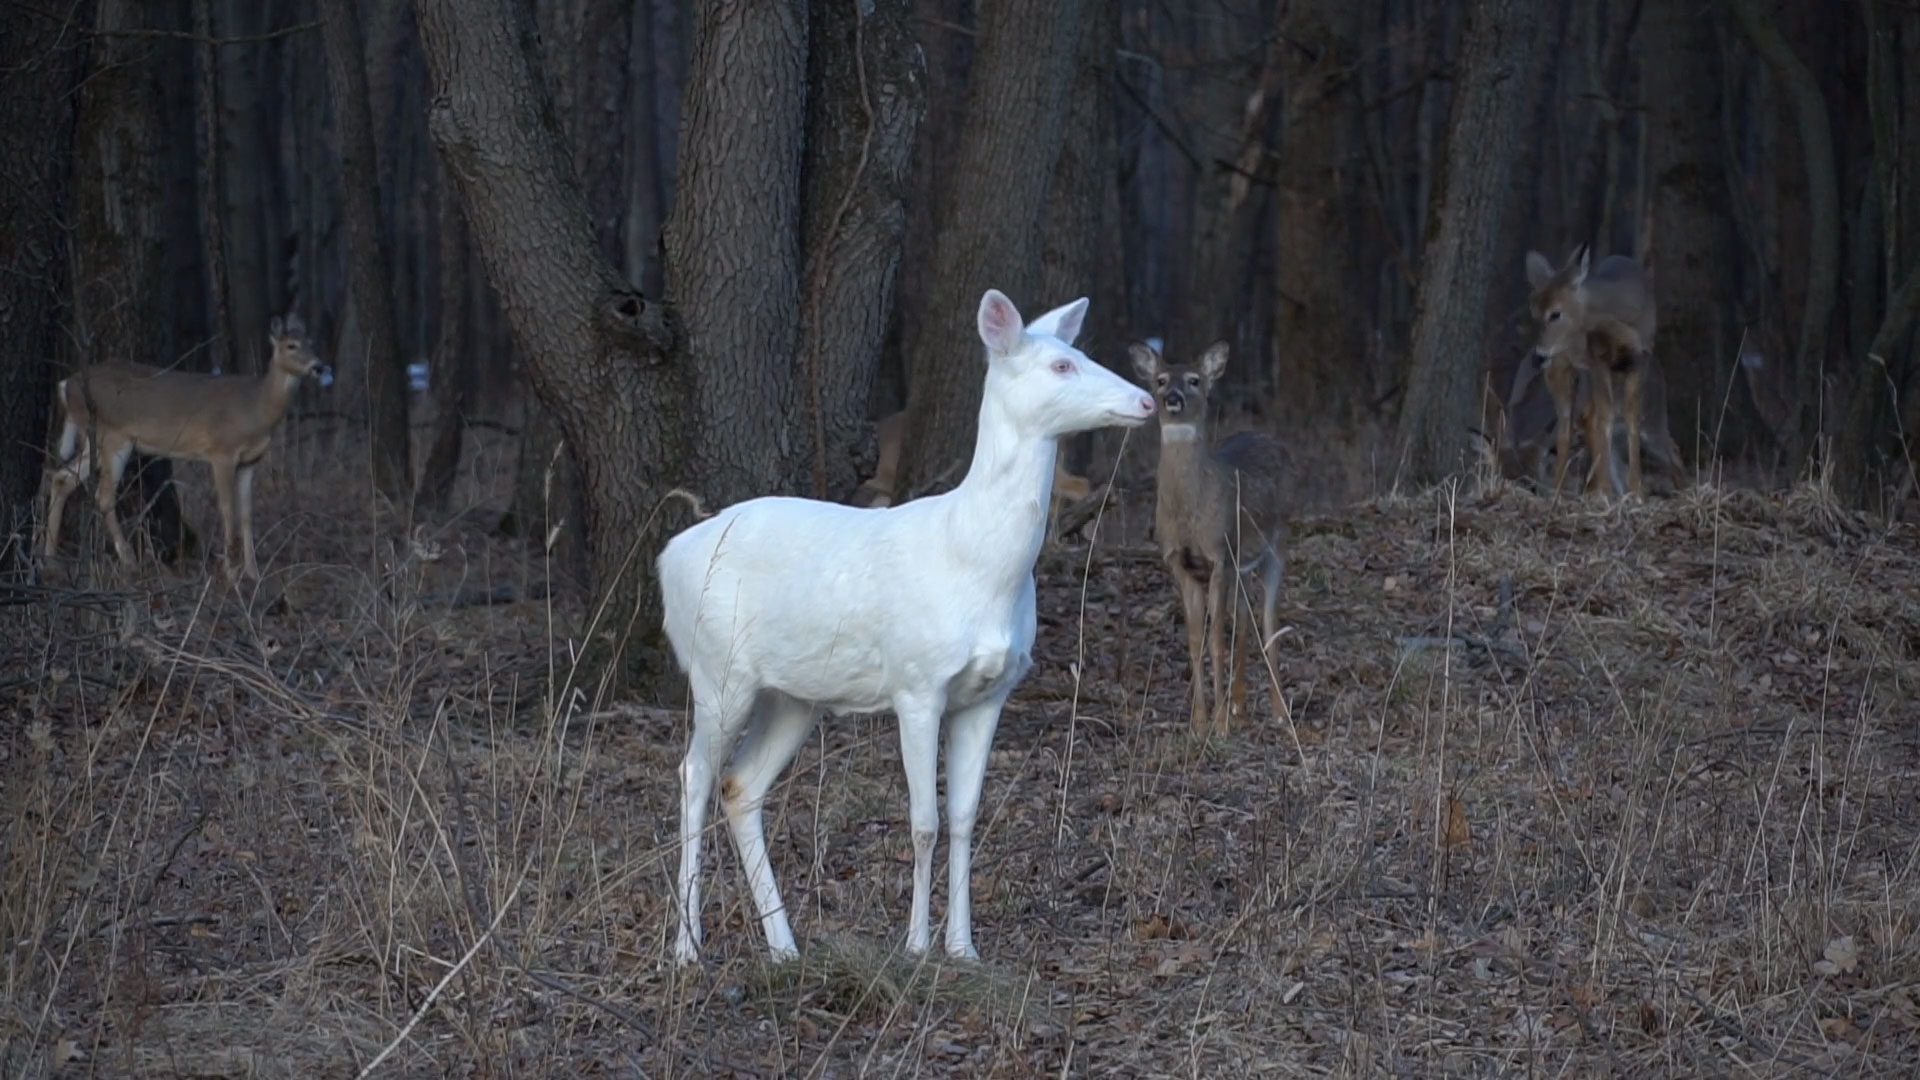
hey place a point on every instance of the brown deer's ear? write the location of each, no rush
(1586, 256)
(277, 327)
(1213, 362)
(1145, 361)
(1539, 270)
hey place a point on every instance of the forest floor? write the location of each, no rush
(1560, 789)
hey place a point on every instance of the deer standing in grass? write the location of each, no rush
(1216, 515)
(781, 608)
(1597, 329)
(111, 410)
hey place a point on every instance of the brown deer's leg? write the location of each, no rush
(1193, 600)
(1633, 426)
(244, 476)
(1217, 640)
(1599, 428)
(224, 483)
(113, 459)
(1560, 377)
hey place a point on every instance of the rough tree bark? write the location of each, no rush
(867, 89)
(733, 238)
(119, 256)
(1317, 334)
(1823, 211)
(990, 213)
(1691, 227)
(39, 64)
(598, 354)
(1484, 131)
(368, 262)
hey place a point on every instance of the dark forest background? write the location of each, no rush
(707, 242)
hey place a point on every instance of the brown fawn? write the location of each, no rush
(1216, 515)
(226, 421)
(1595, 349)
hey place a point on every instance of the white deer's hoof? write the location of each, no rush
(964, 951)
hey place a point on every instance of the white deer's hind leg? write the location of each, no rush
(919, 752)
(779, 726)
(706, 748)
(969, 738)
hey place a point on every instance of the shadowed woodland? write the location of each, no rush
(1574, 782)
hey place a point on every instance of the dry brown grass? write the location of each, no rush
(1566, 789)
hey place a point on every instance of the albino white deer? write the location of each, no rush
(226, 421)
(779, 608)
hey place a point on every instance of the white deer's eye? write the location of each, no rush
(1063, 367)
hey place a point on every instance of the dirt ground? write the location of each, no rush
(1558, 789)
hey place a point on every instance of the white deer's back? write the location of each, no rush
(840, 606)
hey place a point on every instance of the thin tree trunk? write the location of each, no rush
(1823, 210)
(368, 257)
(1693, 235)
(1484, 132)
(1234, 112)
(737, 204)
(213, 235)
(990, 234)
(596, 353)
(867, 82)
(39, 65)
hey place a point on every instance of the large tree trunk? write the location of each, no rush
(1484, 133)
(39, 64)
(1692, 231)
(119, 288)
(1318, 337)
(597, 353)
(990, 221)
(867, 88)
(733, 238)
(368, 257)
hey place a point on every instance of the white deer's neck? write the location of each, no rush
(998, 513)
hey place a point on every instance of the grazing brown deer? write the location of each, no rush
(1217, 514)
(227, 421)
(1596, 333)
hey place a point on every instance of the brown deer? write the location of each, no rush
(1595, 348)
(226, 421)
(1216, 515)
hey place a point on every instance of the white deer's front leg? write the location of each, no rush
(969, 738)
(919, 752)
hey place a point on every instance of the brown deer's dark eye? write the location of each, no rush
(1160, 381)
(1554, 315)
(1193, 382)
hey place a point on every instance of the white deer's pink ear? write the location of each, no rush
(1062, 322)
(1000, 324)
